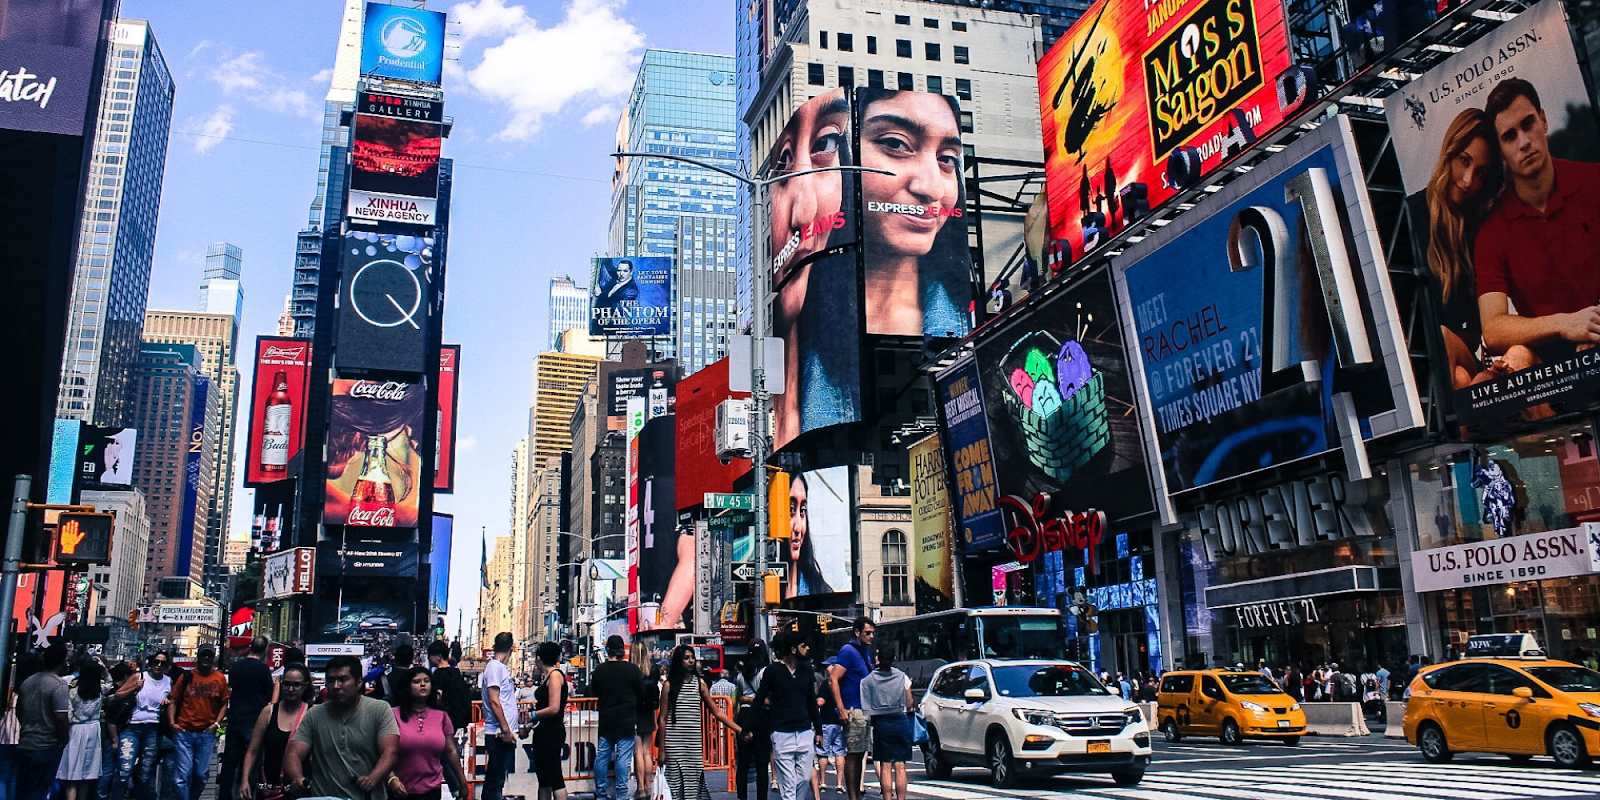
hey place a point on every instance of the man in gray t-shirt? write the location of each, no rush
(42, 708)
(355, 740)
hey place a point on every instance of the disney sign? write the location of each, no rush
(1031, 530)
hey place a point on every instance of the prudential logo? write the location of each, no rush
(404, 41)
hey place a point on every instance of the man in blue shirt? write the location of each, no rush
(854, 663)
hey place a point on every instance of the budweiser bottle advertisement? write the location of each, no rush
(372, 503)
(275, 426)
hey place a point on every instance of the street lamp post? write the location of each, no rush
(761, 277)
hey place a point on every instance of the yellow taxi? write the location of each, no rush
(1230, 704)
(1505, 697)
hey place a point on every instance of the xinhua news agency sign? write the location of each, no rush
(1530, 557)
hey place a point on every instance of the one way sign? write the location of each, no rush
(745, 571)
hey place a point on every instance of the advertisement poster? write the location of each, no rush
(359, 619)
(405, 44)
(914, 226)
(290, 572)
(394, 156)
(817, 312)
(47, 47)
(191, 478)
(818, 554)
(374, 454)
(368, 559)
(653, 384)
(972, 476)
(631, 531)
(444, 453)
(1140, 99)
(439, 562)
(277, 408)
(1484, 138)
(666, 565)
(1247, 278)
(105, 455)
(1062, 426)
(698, 398)
(384, 301)
(933, 546)
(632, 297)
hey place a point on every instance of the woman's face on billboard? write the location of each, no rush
(916, 136)
(799, 519)
(804, 209)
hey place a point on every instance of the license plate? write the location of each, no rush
(1283, 723)
(1101, 746)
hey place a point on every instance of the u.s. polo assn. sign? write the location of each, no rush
(1530, 557)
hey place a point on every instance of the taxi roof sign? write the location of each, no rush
(1505, 645)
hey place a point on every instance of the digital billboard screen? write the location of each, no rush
(666, 582)
(384, 300)
(374, 454)
(362, 619)
(370, 559)
(1140, 99)
(105, 455)
(439, 562)
(917, 264)
(47, 52)
(1242, 364)
(404, 44)
(1513, 288)
(698, 398)
(972, 474)
(444, 453)
(632, 297)
(277, 408)
(394, 156)
(818, 551)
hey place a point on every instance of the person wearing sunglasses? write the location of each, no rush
(136, 746)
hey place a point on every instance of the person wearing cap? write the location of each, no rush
(618, 686)
(199, 704)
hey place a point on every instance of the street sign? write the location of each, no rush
(746, 572)
(738, 520)
(736, 502)
(188, 615)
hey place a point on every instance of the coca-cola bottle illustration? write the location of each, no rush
(275, 426)
(372, 503)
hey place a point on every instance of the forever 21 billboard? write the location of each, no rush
(384, 298)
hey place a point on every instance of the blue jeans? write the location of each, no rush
(192, 762)
(108, 766)
(136, 744)
(36, 772)
(502, 757)
(619, 752)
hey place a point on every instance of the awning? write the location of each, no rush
(1317, 583)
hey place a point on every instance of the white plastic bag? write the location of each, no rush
(662, 790)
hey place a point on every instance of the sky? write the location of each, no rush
(535, 89)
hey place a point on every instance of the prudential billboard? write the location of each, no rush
(403, 44)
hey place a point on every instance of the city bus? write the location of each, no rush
(923, 643)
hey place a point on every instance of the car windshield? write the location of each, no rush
(1568, 679)
(1054, 680)
(1250, 683)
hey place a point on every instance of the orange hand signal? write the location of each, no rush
(71, 535)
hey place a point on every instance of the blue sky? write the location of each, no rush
(535, 89)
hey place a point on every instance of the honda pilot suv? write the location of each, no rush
(1030, 718)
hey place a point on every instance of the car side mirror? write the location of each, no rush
(1523, 692)
(975, 695)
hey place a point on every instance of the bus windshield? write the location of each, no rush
(1022, 637)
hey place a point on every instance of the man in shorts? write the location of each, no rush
(854, 663)
(832, 749)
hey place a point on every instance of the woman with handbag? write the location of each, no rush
(427, 741)
(274, 728)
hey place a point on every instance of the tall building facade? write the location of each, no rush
(517, 532)
(220, 289)
(173, 405)
(569, 308)
(121, 583)
(544, 551)
(683, 104)
(494, 598)
(558, 381)
(215, 336)
(111, 280)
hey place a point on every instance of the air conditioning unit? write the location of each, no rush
(733, 429)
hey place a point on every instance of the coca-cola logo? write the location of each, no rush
(374, 390)
(294, 353)
(1034, 532)
(380, 517)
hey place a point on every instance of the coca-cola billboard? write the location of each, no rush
(444, 451)
(277, 408)
(374, 454)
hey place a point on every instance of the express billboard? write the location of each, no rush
(1264, 324)
(916, 261)
(384, 301)
(405, 44)
(972, 475)
(444, 452)
(374, 454)
(277, 408)
(47, 52)
(698, 397)
(1140, 99)
(933, 546)
(1485, 140)
(632, 297)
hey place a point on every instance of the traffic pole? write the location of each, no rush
(12, 564)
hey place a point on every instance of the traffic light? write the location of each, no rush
(771, 589)
(84, 538)
(778, 506)
(133, 619)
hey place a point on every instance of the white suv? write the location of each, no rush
(1024, 718)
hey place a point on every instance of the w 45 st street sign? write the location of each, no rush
(717, 501)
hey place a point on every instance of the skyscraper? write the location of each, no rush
(173, 409)
(558, 381)
(569, 308)
(220, 291)
(111, 280)
(683, 103)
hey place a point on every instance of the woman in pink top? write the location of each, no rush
(427, 745)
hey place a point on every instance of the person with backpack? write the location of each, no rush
(455, 699)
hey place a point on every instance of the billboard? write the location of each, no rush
(105, 455)
(374, 454)
(656, 385)
(384, 301)
(1486, 137)
(972, 474)
(666, 581)
(359, 619)
(444, 453)
(191, 476)
(698, 397)
(818, 552)
(394, 158)
(61, 485)
(1060, 406)
(632, 297)
(403, 44)
(364, 559)
(288, 573)
(47, 63)
(817, 311)
(1264, 323)
(1140, 99)
(933, 546)
(439, 562)
(916, 261)
(277, 408)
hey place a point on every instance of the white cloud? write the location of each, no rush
(601, 114)
(246, 73)
(578, 64)
(209, 132)
(323, 75)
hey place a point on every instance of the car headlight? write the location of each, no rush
(1590, 708)
(1043, 718)
(1294, 707)
(1132, 716)
(1249, 706)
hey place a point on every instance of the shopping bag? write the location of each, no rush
(662, 790)
(919, 731)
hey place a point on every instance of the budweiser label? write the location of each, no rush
(275, 436)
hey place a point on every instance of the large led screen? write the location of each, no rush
(632, 297)
(384, 300)
(277, 408)
(666, 553)
(405, 44)
(374, 454)
(817, 554)
(394, 157)
(47, 53)
(444, 447)
(105, 455)
(696, 412)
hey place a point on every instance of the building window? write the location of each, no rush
(930, 23)
(902, 19)
(961, 55)
(958, 26)
(966, 122)
(875, 78)
(902, 48)
(935, 84)
(847, 42)
(847, 76)
(930, 51)
(896, 583)
(964, 88)
(814, 74)
(872, 45)
(822, 39)
(905, 83)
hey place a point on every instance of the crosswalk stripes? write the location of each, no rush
(1379, 780)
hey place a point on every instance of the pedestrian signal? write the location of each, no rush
(83, 538)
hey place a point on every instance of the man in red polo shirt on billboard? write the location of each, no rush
(1540, 247)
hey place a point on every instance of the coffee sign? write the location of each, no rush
(1530, 557)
